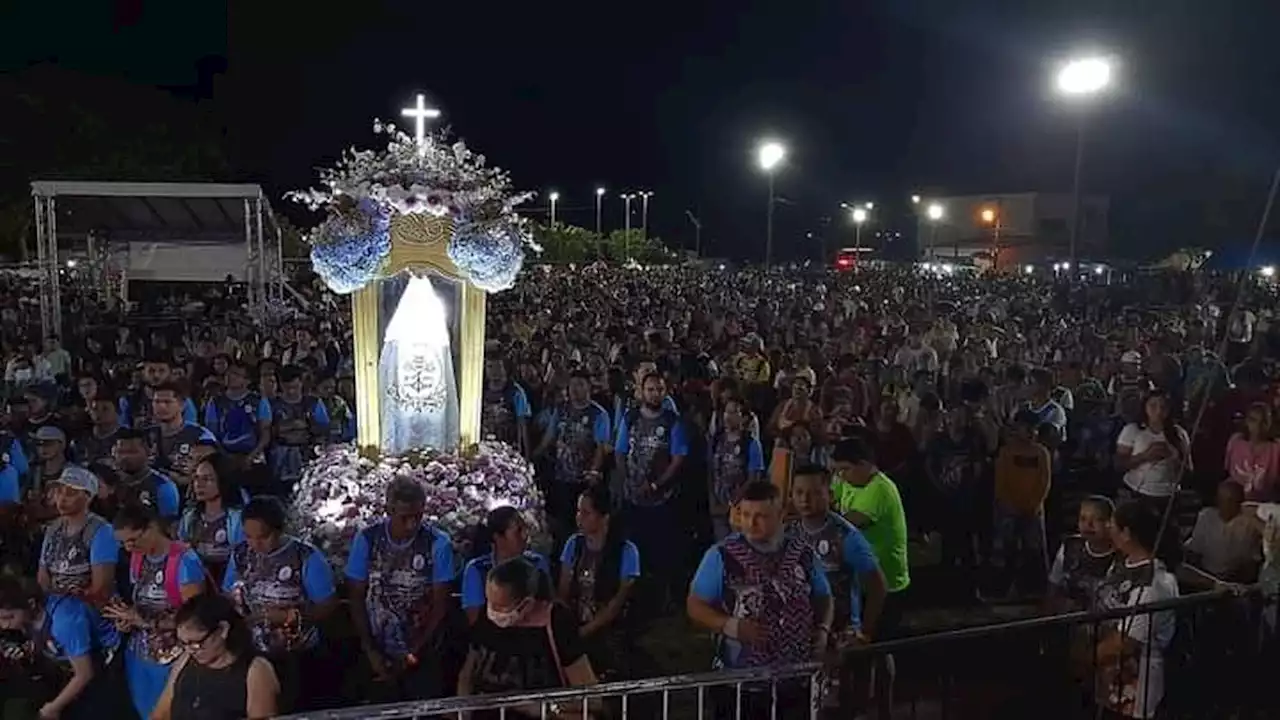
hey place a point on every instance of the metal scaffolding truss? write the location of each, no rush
(95, 215)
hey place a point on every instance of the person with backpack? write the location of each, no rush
(164, 574)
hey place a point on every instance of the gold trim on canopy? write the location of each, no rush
(418, 244)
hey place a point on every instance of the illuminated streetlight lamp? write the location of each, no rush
(1080, 79)
(770, 155)
(870, 206)
(991, 217)
(934, 212)
(859, 217)
(554, 197)
(915, 199)
(626, 223)
(599, 203)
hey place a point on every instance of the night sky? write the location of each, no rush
(875, 100)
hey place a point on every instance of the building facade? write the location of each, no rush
(1014, 229)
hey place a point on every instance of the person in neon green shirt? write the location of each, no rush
(870, 500)
(867, 498)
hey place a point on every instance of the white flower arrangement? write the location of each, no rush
(341, 492)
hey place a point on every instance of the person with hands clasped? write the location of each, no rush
(765, 593)
(284, 586)
(398, 578)
(164, 574)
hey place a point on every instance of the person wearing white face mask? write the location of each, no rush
(524, 641)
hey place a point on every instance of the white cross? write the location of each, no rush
(420, 114)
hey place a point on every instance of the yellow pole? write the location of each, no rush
(364, 312)
(471, 355)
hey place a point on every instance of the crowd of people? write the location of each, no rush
(760, 451)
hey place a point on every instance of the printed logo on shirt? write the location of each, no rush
(419, 562)
(285, 573)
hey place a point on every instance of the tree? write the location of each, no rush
(572, 244)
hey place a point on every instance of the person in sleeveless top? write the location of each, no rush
(524, 641)
(220, 677)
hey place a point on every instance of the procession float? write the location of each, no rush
(417, 233)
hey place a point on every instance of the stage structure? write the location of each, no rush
(106, 218)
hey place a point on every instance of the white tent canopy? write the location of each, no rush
(108, 216)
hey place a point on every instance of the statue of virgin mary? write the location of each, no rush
(415, 371)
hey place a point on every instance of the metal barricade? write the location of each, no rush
(789, 692)
(1046, 667)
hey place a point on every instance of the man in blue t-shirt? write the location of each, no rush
(399, 574)
(63, 633)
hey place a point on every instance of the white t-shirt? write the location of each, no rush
(1154, 479)
(1154, 632)
(916, 359)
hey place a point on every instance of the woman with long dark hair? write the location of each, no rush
(503, 536)
(598, 569)
(220, 677)
(524, 641)
(1153, 454)
(213, 525)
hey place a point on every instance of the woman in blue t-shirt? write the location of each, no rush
(164, 574)
(598, 568)
(503, 536)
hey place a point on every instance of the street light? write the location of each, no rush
(1080, 79)
(644, 213)
(915, 199)
(555, 196)
(599, 202)
(626, 224)
(870, 206)
(934, 212)
(859, 217)
(992, 218)
(770, 155)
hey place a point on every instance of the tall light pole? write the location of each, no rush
(626, 224)
(1081, 79)
(935, 213)
(644, 212)
(859, 217)
(770, 155)
(599, 202)
(555, 197)
(697, 232)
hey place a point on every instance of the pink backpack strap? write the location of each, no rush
(172, 568)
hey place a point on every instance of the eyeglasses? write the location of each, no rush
(197, 645)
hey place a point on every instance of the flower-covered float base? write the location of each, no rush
(341, 492)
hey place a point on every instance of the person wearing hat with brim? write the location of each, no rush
(79, 553)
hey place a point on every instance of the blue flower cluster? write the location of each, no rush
(351, 248)
(490, 258)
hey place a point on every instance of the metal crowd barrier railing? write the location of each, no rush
(1216, 667)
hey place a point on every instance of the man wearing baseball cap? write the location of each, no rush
(79, 553)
